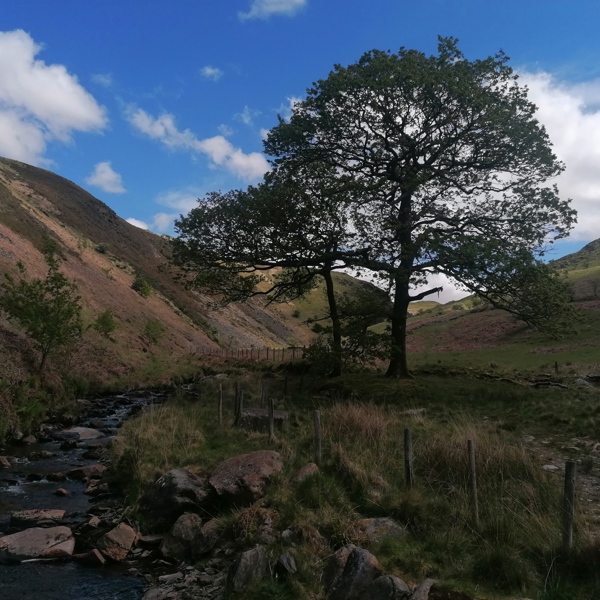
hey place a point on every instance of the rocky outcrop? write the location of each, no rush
(37, 542)
(243, 479)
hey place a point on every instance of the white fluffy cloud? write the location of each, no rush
(571, 115)
(105, 178)
(39, 102)
(248, 115)
(138, 223)
(211, 73)
(221, 152)
(263, 9)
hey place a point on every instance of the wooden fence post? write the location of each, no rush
(236, 403)
(318, 440)
(409, 475)
(473, 484)
(271, 420)
(220, 404)
(568, 507)
(285, 386)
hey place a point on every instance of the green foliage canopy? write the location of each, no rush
(435, 152)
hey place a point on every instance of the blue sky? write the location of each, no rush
(149, 105)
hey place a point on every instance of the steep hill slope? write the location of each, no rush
(103, 253)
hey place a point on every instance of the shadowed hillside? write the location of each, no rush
(103, 254)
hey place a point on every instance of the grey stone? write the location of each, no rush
(176, 545)
(286, 565)
(249, 566)
(377, 529)
(174, 493)
(243, 479)
(387, 587)
(421, 592)
(361, 569)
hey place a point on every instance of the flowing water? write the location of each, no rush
(24, 486)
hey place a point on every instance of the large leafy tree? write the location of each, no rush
(49, 309)
(438, 154)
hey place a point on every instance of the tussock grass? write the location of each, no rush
(514, 551)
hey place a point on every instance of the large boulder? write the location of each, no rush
(176, 545)
(117, 542)
(37, 542)
(174, 493)
(243, 479)
(362, 568)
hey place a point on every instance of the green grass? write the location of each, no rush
(363, 418)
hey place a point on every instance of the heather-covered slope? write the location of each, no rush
(103, 253)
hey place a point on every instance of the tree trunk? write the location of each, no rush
(398, 366)
(336, 325)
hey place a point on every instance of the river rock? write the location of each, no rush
(4, 462)
(37, 542)
(377, 529)
(117, 542)
(87, 472)
(58, 476)
(249, 566)
(176, 545)
(35, 517)
(361, 569)
(83, 433)
(243, 479)
(387, 587)
(29, 439)
(174, 493)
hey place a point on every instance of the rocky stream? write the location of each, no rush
(50, 499)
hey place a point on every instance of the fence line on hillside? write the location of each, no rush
(256, 353)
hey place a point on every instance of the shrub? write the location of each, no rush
(105, 323)
(142, 286)
(153, 330)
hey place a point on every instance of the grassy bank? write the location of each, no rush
(513, 551)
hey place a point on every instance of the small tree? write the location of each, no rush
(49, 309)
(142, 286)
(105, 323)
